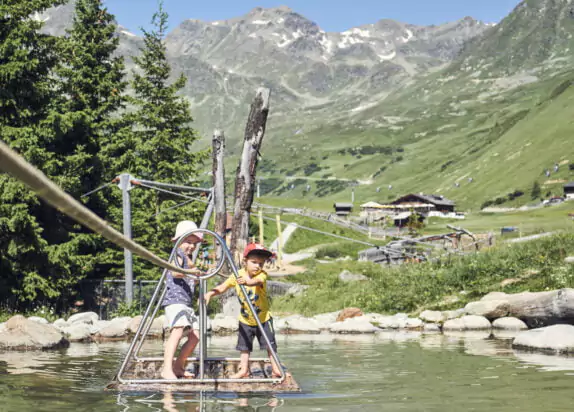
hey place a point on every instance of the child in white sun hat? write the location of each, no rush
(177, 303)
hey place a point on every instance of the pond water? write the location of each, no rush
(397, 371)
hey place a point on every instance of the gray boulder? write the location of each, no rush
(77, 332)
(60, 323)
(359, 324)
(297, 324)
(414, 323)
(555, 338)
(347, 276)
(470, 322)
(23, 334)
(38, 319)
(569, 259)
(432, 316)
(509, 323)
(325, 319)
(84, 317)
(224, 324)
(453, 314)
(115, 329)
(134, 324)
(534, 308)
(490, 309)
(494, 296)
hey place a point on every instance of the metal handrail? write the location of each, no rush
(139, 337)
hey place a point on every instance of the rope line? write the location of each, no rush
(17, 166)
(91, 192)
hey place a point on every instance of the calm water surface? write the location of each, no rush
(387, 372)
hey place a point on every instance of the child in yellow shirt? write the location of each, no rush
(254, 278)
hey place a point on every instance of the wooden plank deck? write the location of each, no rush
(215, 369)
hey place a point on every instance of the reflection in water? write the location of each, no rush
(200, 402)
(401, 370)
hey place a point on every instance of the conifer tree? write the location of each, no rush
(26, 60)
(86, 117)
(156, 145)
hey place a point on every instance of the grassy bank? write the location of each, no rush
(533, 266)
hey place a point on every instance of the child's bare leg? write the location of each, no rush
(170, 348)
(243, 371)
(186, 350)
(276, 370)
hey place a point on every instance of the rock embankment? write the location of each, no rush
(503, 315)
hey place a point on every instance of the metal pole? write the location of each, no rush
(202, 290)
(126, 186)
(261, 228)
(280, 241)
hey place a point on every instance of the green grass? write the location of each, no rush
(535, 266)
(504, 142)
(303, 239)
(546, 219)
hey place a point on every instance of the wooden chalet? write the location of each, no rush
(569, 190)
(343, 209)
(431, 202)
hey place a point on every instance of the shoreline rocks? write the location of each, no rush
(556, 339)
(498, 315)
(20, 333)
(536, 309)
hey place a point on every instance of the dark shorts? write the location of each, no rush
(247, 333)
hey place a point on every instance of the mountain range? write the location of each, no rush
(386, 104)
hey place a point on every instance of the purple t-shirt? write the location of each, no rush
(179, 290)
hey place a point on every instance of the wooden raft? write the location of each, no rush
(214, 369)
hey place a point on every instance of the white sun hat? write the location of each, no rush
(185, 226)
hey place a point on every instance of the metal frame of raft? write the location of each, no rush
(211, 372)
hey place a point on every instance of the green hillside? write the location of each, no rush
(488, 125)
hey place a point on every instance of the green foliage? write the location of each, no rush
(535, 266)
(536, 191)
(125, 309)
(154, 144)
(34, 259)
(414, 224)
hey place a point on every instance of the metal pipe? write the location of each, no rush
(125, 186)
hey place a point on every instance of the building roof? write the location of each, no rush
(433, 199)
(343, 205)
(371, 205)
(569, 185)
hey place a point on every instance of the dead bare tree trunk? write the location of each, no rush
(218, 170)
(245, 178)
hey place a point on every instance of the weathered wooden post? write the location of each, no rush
(245, 178)
(218, 170)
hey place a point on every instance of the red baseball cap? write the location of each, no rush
(256, 247)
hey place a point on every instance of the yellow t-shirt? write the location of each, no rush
(257, 296)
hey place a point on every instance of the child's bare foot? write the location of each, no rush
(168, 374)
(240, 375)
(181, 373)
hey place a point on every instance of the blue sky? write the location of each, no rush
(331, 15)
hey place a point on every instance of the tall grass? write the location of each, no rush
(533, 266)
